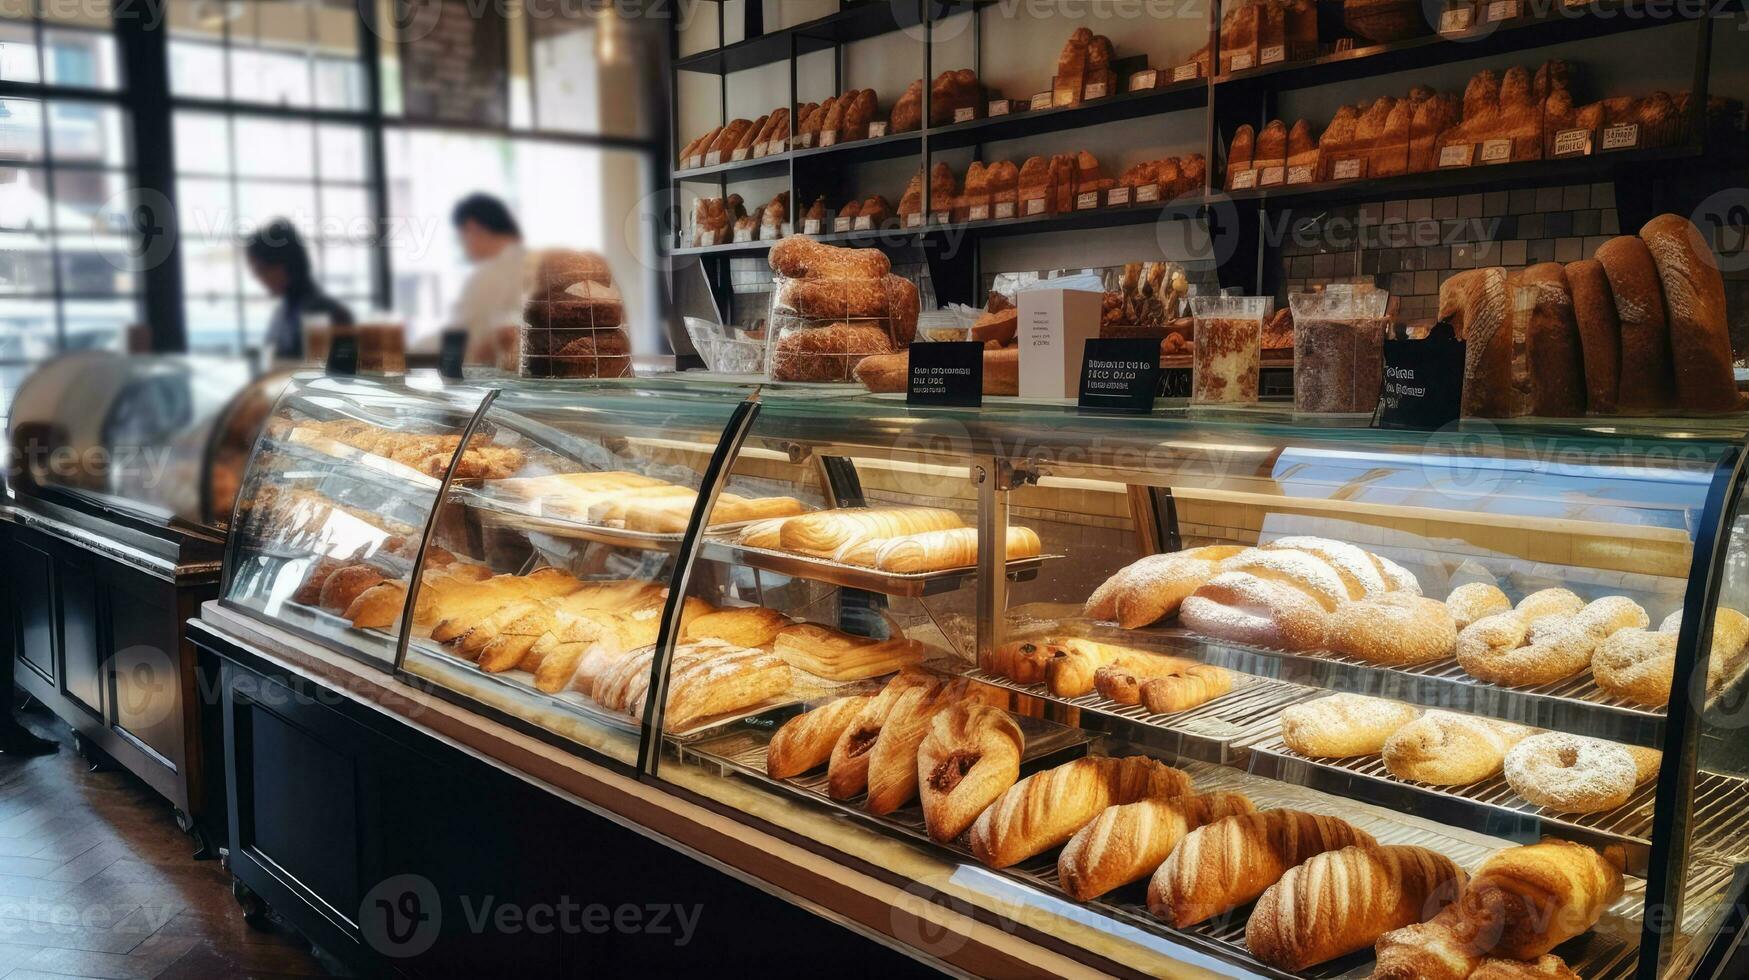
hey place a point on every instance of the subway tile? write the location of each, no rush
(1595, 242)
(1463, 256)
(1549, 199)
(1436, 258)
(1603, 195)
(1609, 223)
(1495, 202)
(1469, 206)
(1521, 201)
(1577, 197)
(1557, 224)
(1343, 265)
(1445, 207)
(1512, 253)
(1426, 282)
(1530, 225)
(1323, 266)
(1396, 210)
(1569, 249)
(1487, 253)
(1539, 250)
(1371, 214)
(1402, 283)
(1587, 222)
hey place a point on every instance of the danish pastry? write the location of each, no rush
(1185, 688)
(969, 758)
(1445, 749)
(805, 741)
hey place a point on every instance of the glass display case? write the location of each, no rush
(1018, 660)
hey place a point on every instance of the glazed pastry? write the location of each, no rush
(1117, 673)
(1127, 842)
(969, 758)
(1395, 629)
(1343, 725)
(1021, 661)
(933, 551)
(1474, 600)
(1228, 863)
(1342, 901)
(805, 741)
(1571, 773)
(1153, 588)
(1045, 809)
(1442, 748)
(839, 656)
(754, 626)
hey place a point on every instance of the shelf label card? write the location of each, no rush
(810, 226)
(1241, 61)
(342, 352)
(739, 153)
(713, 158)
(1457, 154)
(761, 150)
(1499, 10)
(1345, 169)
(769, 232)
(914, 220)
(828, 137)
(1424, 381)
(965, 113)
(774, 148)
(1004, 209)
(804, 141)
(1300, 173)
(998, 107)
(1272, 54)
(452, 354)
(1244, 179)
(1117, 197)
(864, 222)
(978, 212)
(1086, 200)
(1456, 20)
(1119, 374)
(946, 373)
(692, 162)
(1144, 80)
(743, 234)
(1093, 90)
(877, 129)
(842, 224)
(1272, 176)
(1572, 143)
(1497, 151)
(1148, 194)
(1041, 101)
(1184, 73)
(941, 217)
(1035, 206)
(1624, 136)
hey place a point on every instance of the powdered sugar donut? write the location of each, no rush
(1571, 773)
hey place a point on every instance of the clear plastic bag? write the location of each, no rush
(1225, 364)
(1339, 337)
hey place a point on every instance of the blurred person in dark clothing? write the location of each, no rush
(281, 264)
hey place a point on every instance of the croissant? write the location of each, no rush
(847, 768)
(805, 742)
(1225, 864)
(892, 764)
(1127, 842)
(1341, 901)
(969, 758)
(1045, 809)
(1525, 901)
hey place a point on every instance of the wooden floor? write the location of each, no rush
(97, 881)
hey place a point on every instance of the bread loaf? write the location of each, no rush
(1228, 863)
(1549, 374)
(1127, 842)
(907, 115)
(1045, 809)
(1474, 302)
(1599, 333)
(1342, 901)
(1647, 377)
(824, 532)
(1694, 308)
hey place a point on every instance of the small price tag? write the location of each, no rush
(1093, 90)
(864, 223)
(1272, 176)
(743, 234)
(1497, 151)
(1345, 169)
(1063, 96)
(1148, 194)
(1241, 61)
(998, 107)
(978, 212)
(842, 224)
(1040, 101)
(1087, 201)
(692, 162)
(1004, 209)
(914, 220)
(1499, 10)
(828, 137)
(740, 153)
(1572, 143)
(713, 158)
(1456, 20)
(810, 226)
(1300, 174)
(941, 217)
(1117, 197)
(946, 373)
(805, 141)
(1120, 375)
(1143, 80)
(342, 352)
(761, 150)
(452, 354)
(774, 147)
(1244, 179)
(1184, 73)
(1457, 154)
(877, 129)
(965, 113)
(1272, 54)
(1625, 136)
(770, 232)
(1035, 206)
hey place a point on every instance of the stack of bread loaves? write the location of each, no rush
(571, 324)
(1639, 329)
(831, 307)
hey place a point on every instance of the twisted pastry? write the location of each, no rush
(1342, 901)
(1222, 865)
(1045, 809)
(969, 758)
(1446, 749)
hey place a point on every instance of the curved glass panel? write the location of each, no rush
(542, 581)
(335, 502)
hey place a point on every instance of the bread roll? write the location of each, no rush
(1342, 901)
(1442, 748)
(1225, 864)
(1341, 726)
(1047, 808)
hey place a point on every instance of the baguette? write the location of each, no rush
(1342, 901)
(1127, 842)
(1225, 864)
(1045, 809)
(733, 679)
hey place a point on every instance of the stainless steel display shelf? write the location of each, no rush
(503, 514)
(398, 475)
(1576, 704)
(1217, 731)
(903, 585)
(1491, 806)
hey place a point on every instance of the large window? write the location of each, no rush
(69, 255)
(301, 54)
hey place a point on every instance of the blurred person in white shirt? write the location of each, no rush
(492, 298)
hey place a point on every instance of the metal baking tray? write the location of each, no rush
(328, 452)
(1492, 807)
(1215, 731)
(1576, 704)
(505, 513)
(825, 570)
